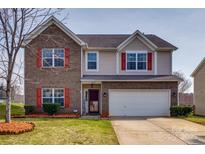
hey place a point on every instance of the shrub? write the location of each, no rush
(51, 108)
(28, 109)
(15, 127)
(181, 110)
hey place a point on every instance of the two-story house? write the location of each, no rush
(109, 75)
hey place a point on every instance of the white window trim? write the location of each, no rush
(155, 63)
(53, 58)
(136, 52)
(86, 61)
(53, 90)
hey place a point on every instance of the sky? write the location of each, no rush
(183, 28)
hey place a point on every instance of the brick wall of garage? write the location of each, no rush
(173, 86)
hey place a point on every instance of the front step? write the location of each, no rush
(92, 117)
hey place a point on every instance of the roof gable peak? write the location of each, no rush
(52, 20)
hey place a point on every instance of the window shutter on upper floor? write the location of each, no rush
(66, 97)
(38, 98)
(39, 58)
(149, 61)
(67, 57)
(123, 60)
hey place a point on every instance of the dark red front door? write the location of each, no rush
(93, 101)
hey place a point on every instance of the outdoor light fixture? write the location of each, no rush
(174, 94)
(104, 94)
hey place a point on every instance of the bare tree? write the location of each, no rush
(185, 84)
(15, 26)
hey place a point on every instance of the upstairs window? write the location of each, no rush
(131, 61)
(53, 57)
(92, 61)
(136, 61)
(141, 61)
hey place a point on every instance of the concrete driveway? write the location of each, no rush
(158, 131)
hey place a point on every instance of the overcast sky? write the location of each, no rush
(183, 28)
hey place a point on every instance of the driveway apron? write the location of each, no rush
(158, 130)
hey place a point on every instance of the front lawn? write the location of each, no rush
(16, 109)
(64, 131)
(196, 119)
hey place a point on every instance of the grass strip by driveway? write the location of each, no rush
(64, 131)
(196, 119)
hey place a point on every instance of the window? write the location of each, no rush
(53, 96)
(92, 61)
(47, 57)
(131, 61)
(141, 61)
(53, 57)
(136, 61)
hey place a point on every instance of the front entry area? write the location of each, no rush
(91, 99)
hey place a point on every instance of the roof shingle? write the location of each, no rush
(114, 40)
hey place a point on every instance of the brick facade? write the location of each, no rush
(173, 86)
(35, 77)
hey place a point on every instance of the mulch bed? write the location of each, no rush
(42, 115)
(15, 127)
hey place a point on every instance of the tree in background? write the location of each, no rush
(15, 26)
(185, 84)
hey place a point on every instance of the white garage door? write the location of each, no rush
(139, 102)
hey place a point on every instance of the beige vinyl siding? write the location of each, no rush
(164, 63)
(199, 91)
(107, 63)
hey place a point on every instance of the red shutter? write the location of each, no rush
(66, 97)
(38, 98)
(67, 57)
(39, 58)
(149, 57)
(123, 60)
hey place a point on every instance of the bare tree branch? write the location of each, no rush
(185, 84)
(15, 25)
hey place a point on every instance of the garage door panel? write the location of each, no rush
(139, 103)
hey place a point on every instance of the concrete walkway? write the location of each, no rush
(158, 131)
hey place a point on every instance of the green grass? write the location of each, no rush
(16, 109)
(196, 119)
(64, 131)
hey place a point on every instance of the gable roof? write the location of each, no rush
(201, 64)
(114, 40)
(52, 20)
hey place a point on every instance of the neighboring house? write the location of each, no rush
(110, 75)
(199, 88)
(186, 98)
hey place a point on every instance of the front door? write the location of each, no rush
(93, 101)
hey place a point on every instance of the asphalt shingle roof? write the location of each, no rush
(113, 40)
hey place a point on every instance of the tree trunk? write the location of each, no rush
(8, 107)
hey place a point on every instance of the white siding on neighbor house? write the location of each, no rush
(107, 63)
(164, 63)
(199, 92)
